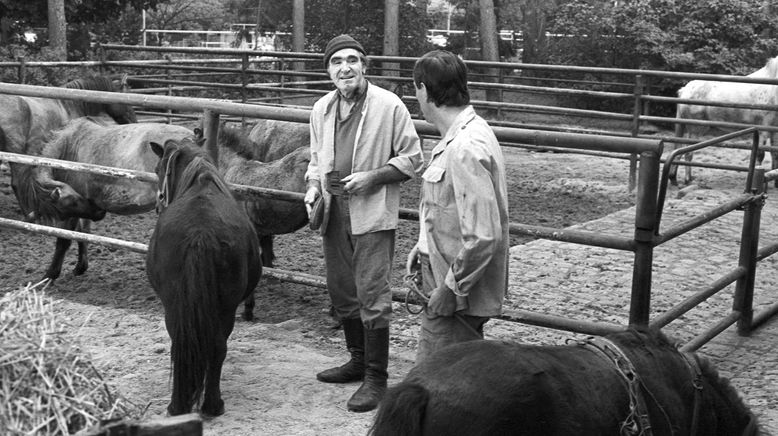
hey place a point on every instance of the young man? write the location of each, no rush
(363, 145)
(463, 240)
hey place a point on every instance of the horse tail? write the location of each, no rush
(401, 412)
(193, 321)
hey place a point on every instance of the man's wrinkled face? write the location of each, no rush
(347, 70)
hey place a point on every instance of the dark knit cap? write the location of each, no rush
(339, 43)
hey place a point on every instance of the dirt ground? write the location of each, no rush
(268, 382)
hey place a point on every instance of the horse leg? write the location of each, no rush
(60, 248)
(266, 245)
(248, 307)
(213, 405)
(688, 158)
(182, 398)
(267, 257)
(680, 129)
(83, 259)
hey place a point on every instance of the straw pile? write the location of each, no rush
(47, 383)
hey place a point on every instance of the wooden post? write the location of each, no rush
(211, 133)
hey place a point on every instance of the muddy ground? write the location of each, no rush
(268, 382)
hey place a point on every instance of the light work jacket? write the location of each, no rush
(385, 135)
(464, 216)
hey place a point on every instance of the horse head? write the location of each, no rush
(57, 200)
(180, 164)
(732, 416)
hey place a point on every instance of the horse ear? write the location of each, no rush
(56, 193)
(157, 149)
(198, 133)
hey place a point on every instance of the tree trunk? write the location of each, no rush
(298, 33)
(489, 47)
(57, 30)
(391, 36)
(534, 31)
(258, 31)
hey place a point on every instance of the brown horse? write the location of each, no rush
(274, 139)
(97, 141)
(203, 260)
(27, 122)
(269, 216)
(627, 383)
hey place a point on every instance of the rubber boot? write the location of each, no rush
(354, 369)
(368, 395)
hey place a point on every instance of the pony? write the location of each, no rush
(269, 216)
(202, 261)
(26, 122)
(729, 92)
(99, 141)
(274, 139)
(628, 383)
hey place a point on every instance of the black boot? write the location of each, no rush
(354, 369)
(368, 395)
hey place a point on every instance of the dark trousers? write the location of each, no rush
(359, 268)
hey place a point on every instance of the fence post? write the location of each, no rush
(633, 159)
(169, 77)
(743, 301)
(211, 133)
(244, 80)
(645, 229)
(22, 72)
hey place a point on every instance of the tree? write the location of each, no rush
(391, 35)
(57, 29)
(79, 15)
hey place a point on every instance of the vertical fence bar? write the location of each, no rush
(636, 111)
(749, 246)
(22, 71)
(244, 80)
(645, 228)
(168, 76)
(211, 132)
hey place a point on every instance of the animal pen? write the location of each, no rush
(651, 185)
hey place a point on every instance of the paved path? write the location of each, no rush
(594, 284)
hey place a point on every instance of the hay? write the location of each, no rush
(47, 383)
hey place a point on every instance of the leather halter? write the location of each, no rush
(163, 194)
(638, 422)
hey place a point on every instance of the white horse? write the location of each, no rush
(729, 92)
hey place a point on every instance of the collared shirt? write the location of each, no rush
(385, 135)
(464, 215)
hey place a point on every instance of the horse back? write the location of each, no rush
(216, 236)
(519, 389)
(274, 139)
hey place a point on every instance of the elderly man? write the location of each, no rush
(363, 145)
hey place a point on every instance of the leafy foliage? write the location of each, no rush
(714, 36)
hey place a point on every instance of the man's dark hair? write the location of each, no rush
(445, 76)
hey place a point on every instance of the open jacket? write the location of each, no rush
(464, 216)
(385, 135)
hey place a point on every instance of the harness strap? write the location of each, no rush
(637, 422)
(163, 194)
(694, 367)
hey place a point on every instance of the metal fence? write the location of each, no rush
(651, 185)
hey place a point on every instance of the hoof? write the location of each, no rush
(212, 411)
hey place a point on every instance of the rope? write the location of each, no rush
(412, 280)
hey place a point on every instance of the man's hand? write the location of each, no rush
(413, 264)
(442, 302)
(310, 197)
(358, 183)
